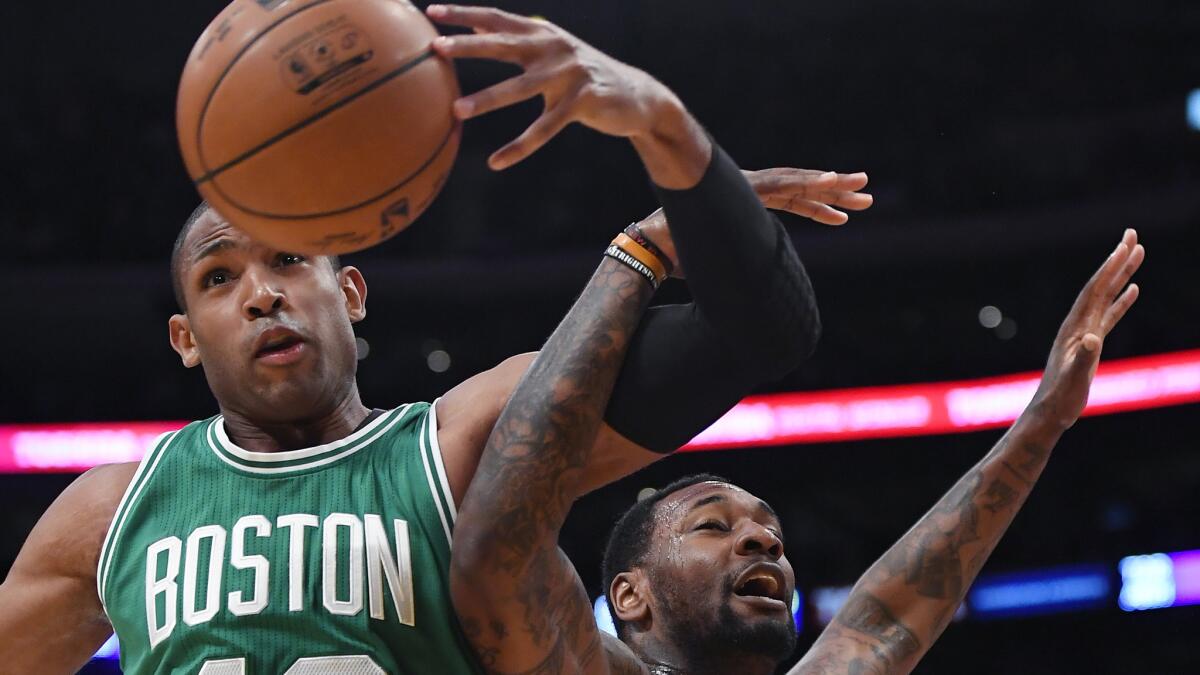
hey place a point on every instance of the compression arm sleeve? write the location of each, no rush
(753, 317)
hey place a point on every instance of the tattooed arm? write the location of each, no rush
(519, 599)
(905, 600)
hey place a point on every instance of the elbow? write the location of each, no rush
(792, 340)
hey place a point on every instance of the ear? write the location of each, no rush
(354, 287)
(629, 597)
(183, 341)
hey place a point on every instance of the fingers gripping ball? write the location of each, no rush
(318, 126)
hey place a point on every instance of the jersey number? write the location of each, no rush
(319, 665)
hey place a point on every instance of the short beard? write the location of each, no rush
(727, 637)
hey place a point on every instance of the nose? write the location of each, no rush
(264, 297)
(756, 539)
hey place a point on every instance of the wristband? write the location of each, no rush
(634, 232)
(642, 254)
(621, 255)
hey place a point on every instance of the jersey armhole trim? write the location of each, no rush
(437, 460)
(426, 440)
(140, 477)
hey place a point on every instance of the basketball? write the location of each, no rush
(318, 126)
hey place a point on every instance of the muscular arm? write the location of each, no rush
(467, 413)
(753, 318)
(520, 600)
(905, 600)
(754, 309)
(51, 620)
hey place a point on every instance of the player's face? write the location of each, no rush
(271, 328)
(719, 576)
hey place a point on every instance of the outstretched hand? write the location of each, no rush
(811, 193)
(802, 192)
(1101, 304)
(577, 82)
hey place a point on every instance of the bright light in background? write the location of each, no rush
(1147, 582)
(438, 360)
(1193, 109)
(1186, 566)
(990, 317)
(1040, 592)
(828, 600)
(603, 619)
(942, 407)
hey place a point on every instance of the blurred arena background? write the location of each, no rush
(1008, 145)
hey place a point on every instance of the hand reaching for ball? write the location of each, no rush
(577, 83)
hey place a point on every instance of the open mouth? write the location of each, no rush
(278, 345)
(762, 581)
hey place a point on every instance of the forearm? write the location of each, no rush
(506, 569)
(906, 599)
(742, 270)
(753, 317)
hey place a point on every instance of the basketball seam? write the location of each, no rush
(232, 62)
(319, 115)
(305, 216)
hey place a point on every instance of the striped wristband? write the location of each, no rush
(627, 244)
(621, 255)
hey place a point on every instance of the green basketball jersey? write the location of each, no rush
(332, 559)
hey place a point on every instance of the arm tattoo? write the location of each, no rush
(533, 603)
(904, 602)
(866, 614)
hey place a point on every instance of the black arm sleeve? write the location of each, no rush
(753, 317)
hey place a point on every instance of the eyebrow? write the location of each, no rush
(213, 248)
(711, 499)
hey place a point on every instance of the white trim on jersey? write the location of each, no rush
(216, 429)
(433, 488)
(437, 460)
(291, 455)
(141, 476)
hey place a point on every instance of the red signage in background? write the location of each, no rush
(775, 419)
(943, 407)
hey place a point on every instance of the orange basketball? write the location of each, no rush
(318, 126)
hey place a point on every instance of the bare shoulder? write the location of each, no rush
(66, 541)
(467, 413)
(473, 399)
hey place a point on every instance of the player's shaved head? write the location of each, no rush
(179, 264)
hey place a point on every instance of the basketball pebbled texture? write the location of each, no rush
(318, 126)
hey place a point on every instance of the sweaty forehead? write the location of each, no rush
(682, 501)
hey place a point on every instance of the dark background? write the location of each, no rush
(1008, 144)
